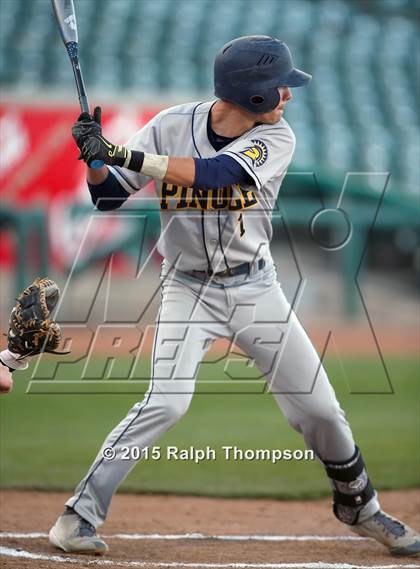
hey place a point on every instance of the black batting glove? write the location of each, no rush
(98, 148)
(87, 125)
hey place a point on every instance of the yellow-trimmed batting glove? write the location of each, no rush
(99, 148)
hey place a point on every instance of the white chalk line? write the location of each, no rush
(22, 554)
(178, 536)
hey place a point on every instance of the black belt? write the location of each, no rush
(243, 269)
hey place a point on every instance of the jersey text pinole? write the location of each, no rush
(220, 227)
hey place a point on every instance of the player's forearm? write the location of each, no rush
(213, 172)
(174, 170)
(181, 171)
(201, 173)
(170, 169)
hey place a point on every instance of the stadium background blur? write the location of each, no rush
(359, 116)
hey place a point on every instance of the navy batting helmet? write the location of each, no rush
(249, 70)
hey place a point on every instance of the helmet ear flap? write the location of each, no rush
(256, 100)
(264, 102)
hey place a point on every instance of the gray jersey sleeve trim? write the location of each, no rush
(127, 185)
(245, 166)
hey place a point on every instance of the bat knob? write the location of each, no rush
(96, 164)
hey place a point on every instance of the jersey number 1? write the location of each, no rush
(241, 225)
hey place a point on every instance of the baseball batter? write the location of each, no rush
(218, 167)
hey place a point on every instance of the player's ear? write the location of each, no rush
(97, 115)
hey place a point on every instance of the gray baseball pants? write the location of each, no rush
(253, 311)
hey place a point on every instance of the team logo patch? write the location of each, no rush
(257, 152)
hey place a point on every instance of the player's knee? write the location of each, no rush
(295, 423)
(328, 416)
(175, 407)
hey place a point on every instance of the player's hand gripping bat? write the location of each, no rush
(66, 19)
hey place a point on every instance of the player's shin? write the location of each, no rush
(354, 497)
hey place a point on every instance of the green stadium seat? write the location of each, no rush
(359, 113)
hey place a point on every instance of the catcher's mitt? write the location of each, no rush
(31, 327)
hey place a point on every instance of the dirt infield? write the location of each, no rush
(259, 527)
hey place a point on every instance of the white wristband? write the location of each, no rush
(13, 360)
(155, 166)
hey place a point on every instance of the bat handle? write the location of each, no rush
(83, 100)
(84, 105)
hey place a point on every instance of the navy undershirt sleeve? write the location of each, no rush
(218, 172)
(108, 195)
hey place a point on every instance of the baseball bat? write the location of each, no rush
(66, 20)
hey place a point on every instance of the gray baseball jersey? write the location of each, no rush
(221, 226)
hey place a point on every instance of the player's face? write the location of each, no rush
(276, 114)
